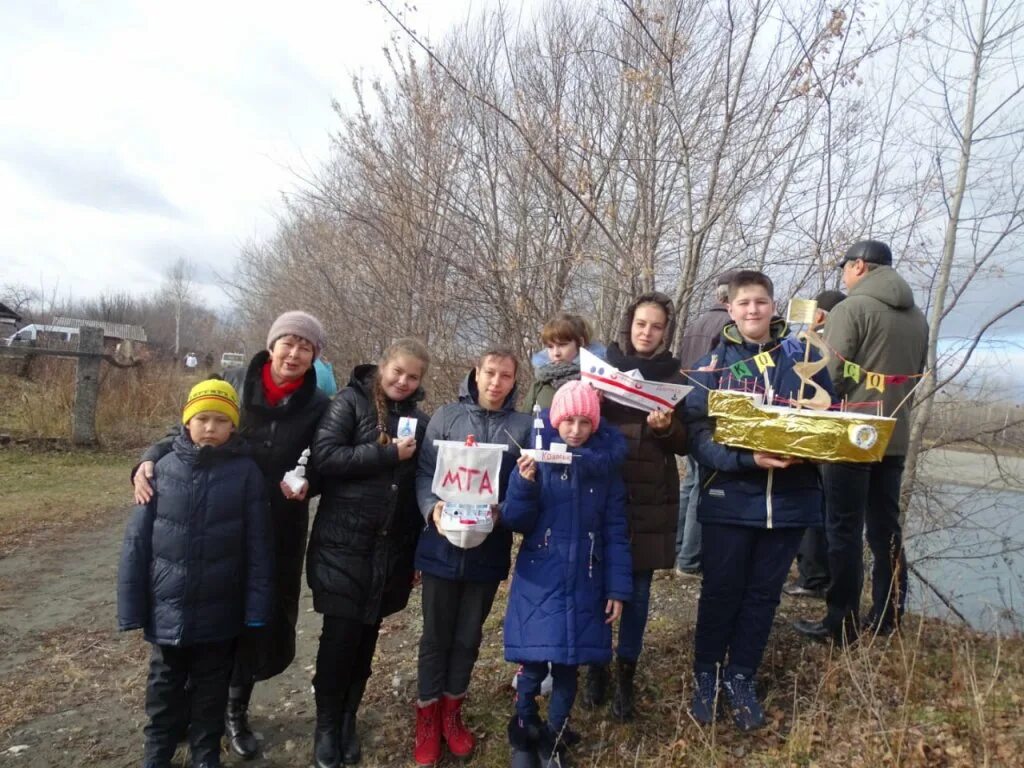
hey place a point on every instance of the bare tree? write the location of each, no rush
(177, 287)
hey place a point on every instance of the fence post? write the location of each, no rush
(87, 386)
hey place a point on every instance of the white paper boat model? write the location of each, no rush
(466, 525)
(630, 389)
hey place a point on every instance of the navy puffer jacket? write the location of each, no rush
(574, 557)
(435, 555)
(197, 561)
(733, 489)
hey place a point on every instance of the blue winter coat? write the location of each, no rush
(197, 561)
(574, 557)
(733, 489)
(435, 555)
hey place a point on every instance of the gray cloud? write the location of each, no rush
(96, 179)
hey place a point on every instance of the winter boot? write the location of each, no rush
(459, 738)
(741, 692)
(326, 735)
(552, 752)
(623, 705)
(705, 697)
(595, 692)
(236, 723)
(523, 736)
(351, 751)
(428, 734)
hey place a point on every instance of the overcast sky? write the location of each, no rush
(136, 132)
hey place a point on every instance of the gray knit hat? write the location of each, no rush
(301, 324)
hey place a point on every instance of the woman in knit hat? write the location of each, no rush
(280, 409)
(573, 571)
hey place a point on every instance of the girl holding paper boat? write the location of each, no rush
(655, 435)
(754, 504)
(463, 568)
(573, 571)
(360, 560)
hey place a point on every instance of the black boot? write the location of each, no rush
(552, 751)
(595, 692)
(327, 736)
(623, 705)
(236, 723)
(351, 751)
(523, 737)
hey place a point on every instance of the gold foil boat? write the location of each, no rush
(742, 422)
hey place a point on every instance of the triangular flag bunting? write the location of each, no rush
(764, 360)
(896, 379)
(876, 381)
(740, 370)
(851, 371)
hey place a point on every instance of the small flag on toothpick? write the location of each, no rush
(763, 361)
(801, 311)
(740, 370)
(851, 371)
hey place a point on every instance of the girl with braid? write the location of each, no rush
(360, 560)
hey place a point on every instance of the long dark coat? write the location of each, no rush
(360, 559)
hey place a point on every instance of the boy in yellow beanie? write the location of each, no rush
(196, 566)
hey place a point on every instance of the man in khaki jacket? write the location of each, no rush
(880, 329)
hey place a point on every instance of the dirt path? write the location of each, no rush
(71, 687)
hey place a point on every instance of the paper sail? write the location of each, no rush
(468, 474)
(801, 311)
(741, 422)
(628, 390)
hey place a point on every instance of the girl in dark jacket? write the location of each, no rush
(360, 560)
(652, 483)
(753, 509)
(573, 570)
(280, 408)
(195, 568)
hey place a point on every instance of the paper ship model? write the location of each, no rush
(742, 421)
(810, 430)
(630, 389)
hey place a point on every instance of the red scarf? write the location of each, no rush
(275, 393)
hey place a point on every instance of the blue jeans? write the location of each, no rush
(688, 530)
(859, 499)
(634, 617)
(563, 692)
(744, 569)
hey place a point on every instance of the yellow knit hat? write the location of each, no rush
(212, 395)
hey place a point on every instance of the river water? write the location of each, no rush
(965, 537)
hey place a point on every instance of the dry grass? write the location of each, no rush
(49, 492)
(135, 404)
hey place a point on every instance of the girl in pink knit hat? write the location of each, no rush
(572, 573)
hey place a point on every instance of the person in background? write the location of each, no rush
(280, 408)
(325, 379)
(563, 336)
(881, 329)
(196, 566)
(812, 557)
(701, 337)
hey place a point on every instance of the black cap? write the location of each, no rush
(871, 251)
(827, 300)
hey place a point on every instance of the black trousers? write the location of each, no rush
(453, 620)
(812, 559)
(744, 569)
(344, 660)
(206, 668)
(864, 498)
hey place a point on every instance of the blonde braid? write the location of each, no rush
(380, 403)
